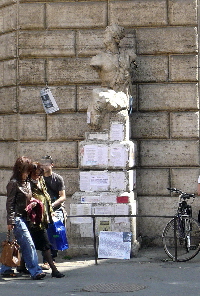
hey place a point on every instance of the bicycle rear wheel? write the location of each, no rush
(183, 254)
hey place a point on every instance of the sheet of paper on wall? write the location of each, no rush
(118, 156)
(105, 225)
(48, 101)
(99, 181)
(80, 209)
(90, 199)
(104, 210)
(121, 209)
(84, 181)
(95, 155)
(115, 245)
(117, 131)
(86, 230)
(117, 181)
(107, 197)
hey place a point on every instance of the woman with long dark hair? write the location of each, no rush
(19, 196)
(38, 229)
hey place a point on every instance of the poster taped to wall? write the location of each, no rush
(48, 101)
(116, 245)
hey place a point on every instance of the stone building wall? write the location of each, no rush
(52, 42)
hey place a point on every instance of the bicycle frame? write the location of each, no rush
(181, 235)
(184, 213)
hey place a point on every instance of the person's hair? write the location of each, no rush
(22, 164)
(48, 158)
(37, 167)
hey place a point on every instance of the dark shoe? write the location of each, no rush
(39, 276)
(22, 270)
(9, 274)
(57, 274)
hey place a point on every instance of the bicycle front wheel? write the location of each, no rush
(171, 238)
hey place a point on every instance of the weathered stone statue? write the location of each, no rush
(114, 68)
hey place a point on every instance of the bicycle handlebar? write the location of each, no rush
(183, 194)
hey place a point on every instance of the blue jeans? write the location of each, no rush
(28, 250)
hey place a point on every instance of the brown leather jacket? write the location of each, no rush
(18, 197)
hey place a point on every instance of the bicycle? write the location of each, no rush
(181, 235)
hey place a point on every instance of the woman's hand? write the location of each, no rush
(10, 227)
(33, 203)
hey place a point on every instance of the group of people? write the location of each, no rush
(35, 195)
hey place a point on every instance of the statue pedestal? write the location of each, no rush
(107, 185)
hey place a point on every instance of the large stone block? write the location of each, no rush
(8, 153)
(151, 68)
(185, 179)
(184, 125)
(7, 2)
(32, 71)
(8, 100)
(46, 43)
(8, 17)
(138, 12)
(63, 71)
(77, 15)
(112, 181)
(169, 153)
(67, 126)
(183, 68)
(5, 176)
(64, 154)
(71, 179)
(149, 125)
(8, 45)
(168, 97)
(152, 181)
(3, 214)
(183, 12)
(90, 42)
(47, 1)
(8, 127)
(32, 16)
(30, 94)
(65, 97)
(106, 155)
(167, 40)
(32, 127)
(8, 73)
(84, 96)
(151, 228)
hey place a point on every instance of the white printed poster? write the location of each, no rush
(121, 209)
(48, 101)
(117, 131)
(90, 199)
(95, 155)
(118, 156)
(85, 181)
(116, 245)
(79, 210)
(98, 181)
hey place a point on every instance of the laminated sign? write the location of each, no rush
(48, 101)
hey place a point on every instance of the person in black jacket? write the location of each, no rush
(19, 196)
